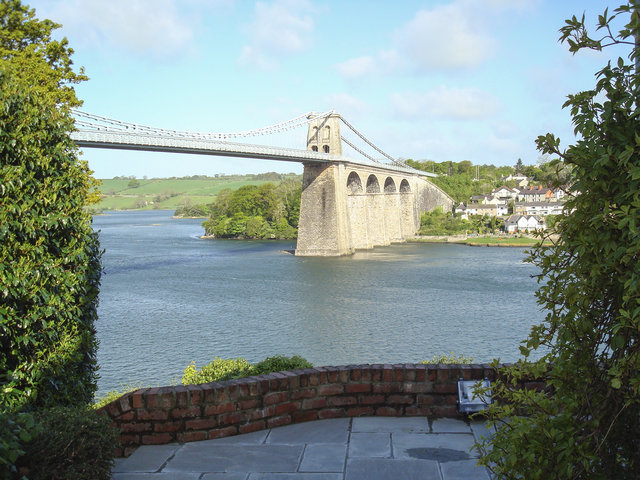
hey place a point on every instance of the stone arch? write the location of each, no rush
(314, 148)
(327, 133)
(389, 185)
(373, 186)
(404, 186)
(326, 148)
(354, 184)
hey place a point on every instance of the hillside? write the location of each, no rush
(128, 193)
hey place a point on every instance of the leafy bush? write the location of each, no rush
(71, 443)
(15, 430)
(49, 254)
(112, 395)
(585, 425)
(280, 363)
(452, 358)
(226, 369)
(218, 370)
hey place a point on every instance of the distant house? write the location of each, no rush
(521, 180)
(505, 193)
(536, 194)
(462, 210)
(539, 208)
(492, 210)
(486, 200)
(524, 223)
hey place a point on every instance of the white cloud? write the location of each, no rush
(283, 27)
(446, 103)
(346, 104)
(444, 38)
(142, 26)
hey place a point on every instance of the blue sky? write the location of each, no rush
(457, 80)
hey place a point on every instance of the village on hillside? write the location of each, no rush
(522, 207)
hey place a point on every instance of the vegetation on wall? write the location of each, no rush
(220, 369)
(585, 424)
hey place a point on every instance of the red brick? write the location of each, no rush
(127, 417)
(446, 388)
(278, 421)
(134, 427)
(222, 432)
(409, 373)
(287, 407)
(112, 409)
(334, 389)
(432, 373)
(137, 400)
(314, 379)
(157, 439)
(401, 399)
(425, 399)
(388, 411)
(357, 387)
(344, 374)
(153, 415)
(200, 424)
(342, 401)
(447, 411)
(249, 403)
(333, 374)
(169, 426)
(128, 451)
(275, 397)
(331, 413)
(305, 393)
(360, 411)
(151, 399)
(370, 399)
(191, 436)
(196, 395)
(218, 409)
(304, 416)
(387, 388)
(398, 373)
(312, 403)
(182, 397)
(417, 411)
(365, 374)
(376, 373)
(421, 373)
(129, 439)
(190, 412)
(443, 373)
(252, 427)
(356, 375)
(232, 418)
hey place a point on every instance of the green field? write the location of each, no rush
(171, 193)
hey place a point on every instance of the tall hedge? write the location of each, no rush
(49, 255)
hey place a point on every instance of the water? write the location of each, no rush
(169, 297)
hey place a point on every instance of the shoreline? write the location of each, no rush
(464, 240)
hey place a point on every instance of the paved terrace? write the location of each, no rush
(361, 448)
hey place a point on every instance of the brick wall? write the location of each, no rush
(213, 410)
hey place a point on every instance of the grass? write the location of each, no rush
(504, 241)
(169, 193)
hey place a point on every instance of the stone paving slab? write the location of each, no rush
(147, 458)
(159, 476)
(321, 431)
(193, 457)
(390, 424)
(324, 458)
(370, 445)
(439, 446)
(466, 469)
(391, 469)
(296, 476)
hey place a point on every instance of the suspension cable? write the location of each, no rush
(359, 151)
(371, 144)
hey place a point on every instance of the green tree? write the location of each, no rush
(49, 255)
(584, 425)
(519, 166)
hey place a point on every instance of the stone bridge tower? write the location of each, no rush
(324, 135)
(347, 206)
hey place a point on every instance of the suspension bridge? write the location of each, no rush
(349, 202)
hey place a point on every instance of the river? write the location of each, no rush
(168, 298)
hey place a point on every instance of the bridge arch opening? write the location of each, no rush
(404, 186)
(326, 148)
(354, 184)
(373, 186)
(389, 185)
(314, 148)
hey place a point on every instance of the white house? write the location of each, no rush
(505, 193)
(524, 223)
(493, 210)
(539, 208)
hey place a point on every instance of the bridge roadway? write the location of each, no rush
(180, 144)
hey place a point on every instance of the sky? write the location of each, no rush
(455, 80)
